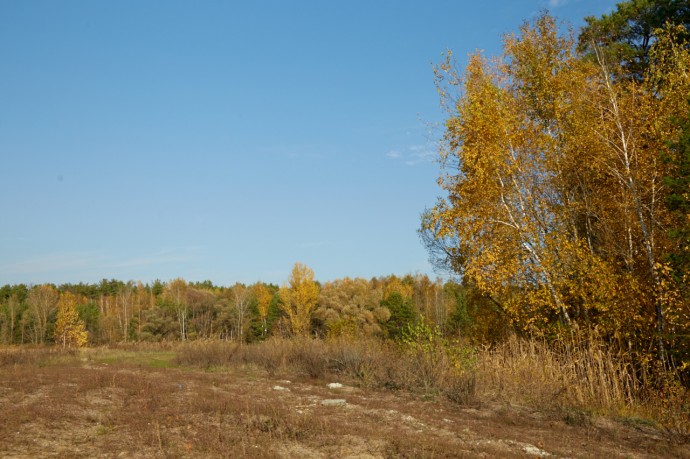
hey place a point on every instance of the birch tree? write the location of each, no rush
(41, 300)
(553, 172)
(298, 299)
(241, 297)
(69, 328)
(263, 303)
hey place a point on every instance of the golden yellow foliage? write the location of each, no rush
(263, 302)
(553, 175)
(351, 307)
(69, 328)
(298, 298)
(394, 285)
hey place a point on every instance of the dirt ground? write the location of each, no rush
(86, 407)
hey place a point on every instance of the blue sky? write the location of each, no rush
(220, 140)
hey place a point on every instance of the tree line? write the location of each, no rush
(114, 311)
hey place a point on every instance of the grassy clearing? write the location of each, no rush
(41, 356)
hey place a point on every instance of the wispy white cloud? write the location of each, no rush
(421, 154)
(415, 154)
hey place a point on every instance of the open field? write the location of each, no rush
(153, 402)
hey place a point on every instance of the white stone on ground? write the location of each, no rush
(334, 402)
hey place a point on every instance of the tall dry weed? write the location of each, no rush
(569, 373)
(34, 355)
(579, 372)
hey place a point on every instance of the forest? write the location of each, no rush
(114, 311)
(562, 233)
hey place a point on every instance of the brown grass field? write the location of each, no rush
(217, 399)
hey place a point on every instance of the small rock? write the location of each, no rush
(534, 451)
(334, 402)
(335, 385)
(281, 388)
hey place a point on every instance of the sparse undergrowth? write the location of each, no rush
(214, 399)
(577, 378)
(37, 355)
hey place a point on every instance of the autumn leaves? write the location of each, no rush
(70, 330)
(553, 176)
(298, 299)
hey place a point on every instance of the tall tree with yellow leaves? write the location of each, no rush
(69, 328)
(263, 302)
(553, 170)
(298, 299)
(504, 209)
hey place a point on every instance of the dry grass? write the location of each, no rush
(78, 409)
(581, 374)
(577, 377)
(94, 402)
(141, 414)
(366, 363)
(34, 355)
(572, 374)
